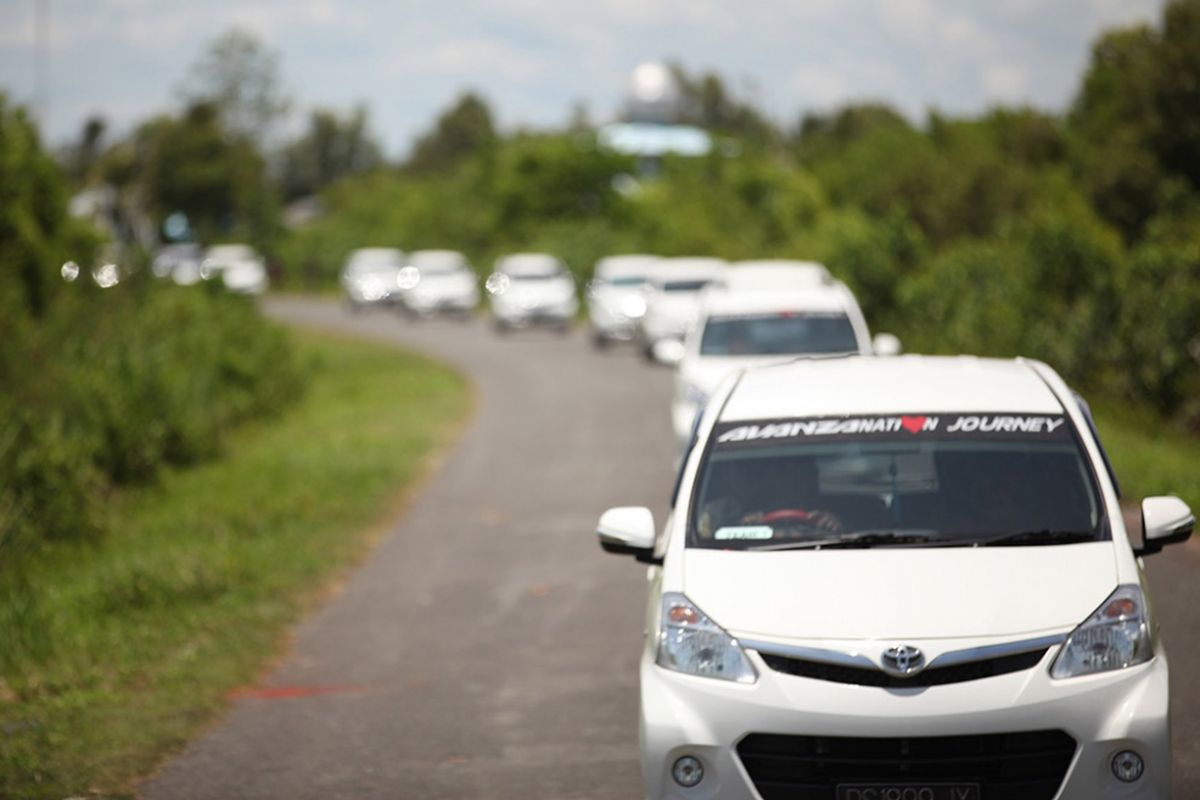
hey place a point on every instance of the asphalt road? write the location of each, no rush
(487, 648)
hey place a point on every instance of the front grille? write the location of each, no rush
(1007, 766)
(931, 676)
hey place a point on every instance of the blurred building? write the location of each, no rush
(650, 112)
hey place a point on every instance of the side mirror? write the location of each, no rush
(1165, 520)
(886, 344)
(668, 351)
(628, 530)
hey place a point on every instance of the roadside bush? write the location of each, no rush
(111, 387)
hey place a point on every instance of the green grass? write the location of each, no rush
(1150, 455)
(113, 655)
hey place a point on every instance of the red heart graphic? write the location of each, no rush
(912, 424)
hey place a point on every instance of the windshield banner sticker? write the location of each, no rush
(941, 426)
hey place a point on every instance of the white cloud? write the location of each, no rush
(1006, 83)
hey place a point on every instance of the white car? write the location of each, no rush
(371, 275)
(673, 298)
(902, 578)
(779, 273)
(746, 328)
(531, 288)
(616, 297)
(179, 261)
(239, 267)
(438, 281)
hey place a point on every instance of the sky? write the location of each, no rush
(537, 60)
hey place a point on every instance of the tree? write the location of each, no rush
(1176, 97)
(463, 129)
(187, 164)
(240, 78)
(331, 149)
(36, 233)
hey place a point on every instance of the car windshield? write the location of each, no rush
(911, 480)
(540, 275)
(626, 281)
(777, 334)
(685, 286)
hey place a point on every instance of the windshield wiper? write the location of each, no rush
(1044, 536)
(853, 540)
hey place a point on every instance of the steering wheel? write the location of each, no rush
(789, 515)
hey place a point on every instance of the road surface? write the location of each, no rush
(488, 648)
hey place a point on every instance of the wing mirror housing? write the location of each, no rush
(886, 344)
(668, 351)
(1165, 520)
(628, 530)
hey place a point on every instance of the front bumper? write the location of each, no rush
(1104, 714)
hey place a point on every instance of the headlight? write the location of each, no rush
(497, 283)
(690, 642)
(408, 277)
(633, 307)
(1116, 636)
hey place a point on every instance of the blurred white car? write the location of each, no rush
(738, 329)
(531, 288)
(616, 297)
(371, 276)
(673, 298)
(900, 578)
(438, 280)
(179, 262)
(240, 268)
(769, 274)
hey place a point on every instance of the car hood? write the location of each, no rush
(441, 285)
(707, 373)
(675, 306)
(527, 292)
(900, 593)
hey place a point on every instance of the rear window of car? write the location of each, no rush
(777, 334)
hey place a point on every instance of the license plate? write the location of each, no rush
(908, 791)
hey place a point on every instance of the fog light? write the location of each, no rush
(688, 771)
(1126, 765)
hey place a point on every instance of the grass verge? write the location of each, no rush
(115, 654)
(1150, 455)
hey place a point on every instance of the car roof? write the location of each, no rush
(437, 257)
(624, 265)
(688, 268)
(720, 301)
(528, 263)
(818, 387)
(232, 250)
(777, 273)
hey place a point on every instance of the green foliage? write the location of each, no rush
(111, 388)
(36, 234)
(332, 148)
(463, 130)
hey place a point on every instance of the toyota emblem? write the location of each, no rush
(903, 660)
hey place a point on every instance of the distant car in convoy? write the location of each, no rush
(371, 275)
(179, 262)
(434, 281)
(673, 298)
(903, 578)
(777, 273)
(738, 328)
(531, 289)
(616, 297)
(239, 267)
